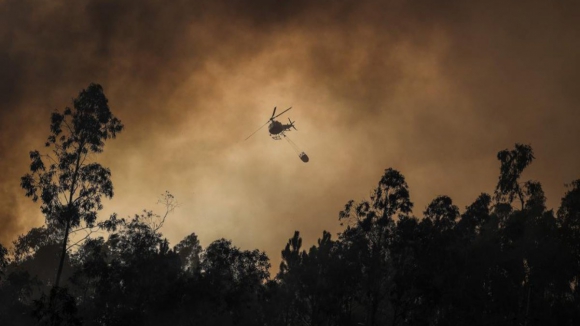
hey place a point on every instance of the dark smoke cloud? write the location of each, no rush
(433, 89)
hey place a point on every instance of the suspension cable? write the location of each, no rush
(294, 146)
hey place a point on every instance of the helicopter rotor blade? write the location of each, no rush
(272, 117)
(281, 113)
(257, 130)
(292, 124)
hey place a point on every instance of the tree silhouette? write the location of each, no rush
(489, 264)
(513, 163)
(189, 251)
(3, 260)
(235, 277)
(369, 233)
(69, 185)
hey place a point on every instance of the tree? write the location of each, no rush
(404, 249)
(3, 260)
(189, 251)
(569, 221)
(68, 184)
(37, 253)
(569, 211)
(439, 261)
(15, 298)
(513, 163)
(234, 279)
(132, 278)
(59, 310)
(369, 233)
(475, 216)
(290, 277)
(29, 244)
(442, 213)
(315, 286)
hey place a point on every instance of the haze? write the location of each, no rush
(432, 89)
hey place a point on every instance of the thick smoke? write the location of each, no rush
(432, 89)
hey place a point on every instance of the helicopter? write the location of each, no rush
(278, 129)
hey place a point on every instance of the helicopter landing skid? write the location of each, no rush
(276, 137)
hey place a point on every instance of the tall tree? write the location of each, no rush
(369, 231)
(315, 286)
(513, 163)
(189, 251)
(569, 220)
(66, 180)
(3, 260)
(235, 278)
(290, 277)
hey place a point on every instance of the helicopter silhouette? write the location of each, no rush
(278, 129)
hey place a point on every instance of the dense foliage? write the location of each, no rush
(494, 263)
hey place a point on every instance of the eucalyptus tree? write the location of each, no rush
(189, 251)
(67, 180)
(233, 280)
(513, 163)
(316, 285)
(370, 225)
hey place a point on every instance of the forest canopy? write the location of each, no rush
(505, 259)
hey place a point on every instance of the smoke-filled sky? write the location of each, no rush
(433, 89)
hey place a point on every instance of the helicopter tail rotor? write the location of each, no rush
(292, 124)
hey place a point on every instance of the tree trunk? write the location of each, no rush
(63, 253)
